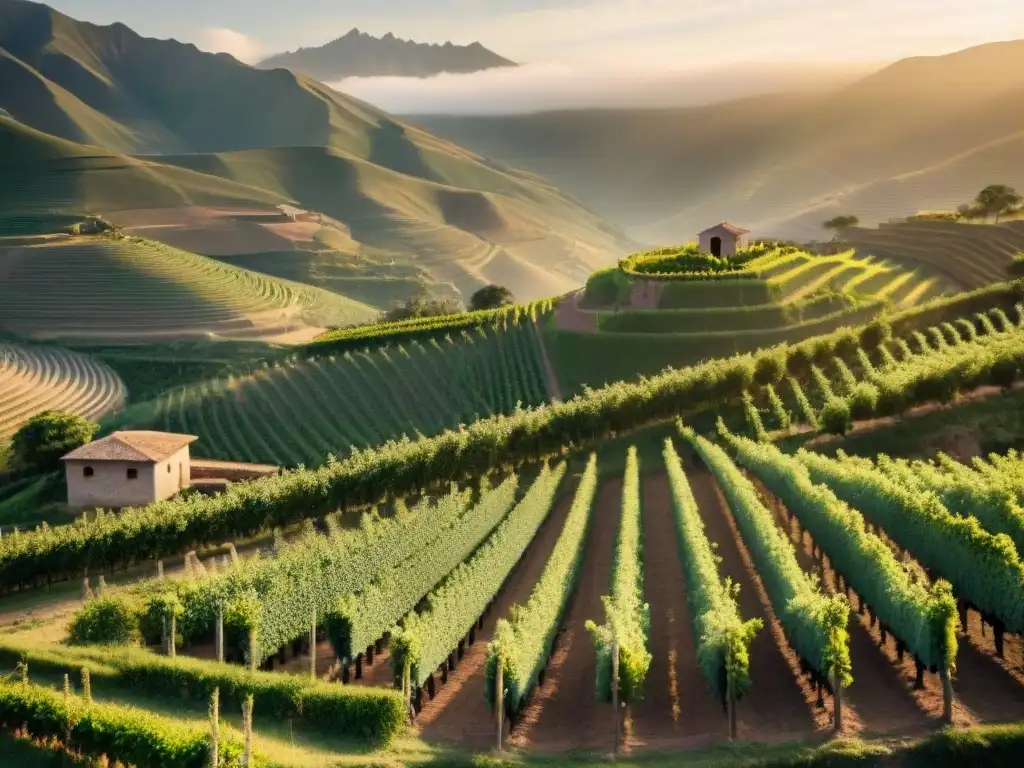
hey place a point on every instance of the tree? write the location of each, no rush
(422, 305)
(997, 200)
(47, 436)
(491, 297)
(839, 223)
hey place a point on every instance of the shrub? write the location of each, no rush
(42, 440)
(875, 333)
(606, 287)
(491, 297)
(863, 400)
(106, 620)
(770, 368)
(835, 416)
(1005, 373)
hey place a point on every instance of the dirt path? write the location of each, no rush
(550, 377)
(678, 708)
(778, 706)
(881, 699)
(459, 713)
(564, 713)
(569, 316)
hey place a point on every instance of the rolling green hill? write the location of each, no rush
(129, 289)
(159, 124)
(923, 134)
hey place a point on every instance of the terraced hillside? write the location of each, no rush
(969, 255)
(300, 411)
(201, 136)
(131, 289)
(35, 378)
(620, 327)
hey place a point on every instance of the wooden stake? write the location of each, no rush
(615, 692)
(247, 726)
(499, 697)
(837, 703)
(947, 696)
(730, 703)
(215, 729)
(218, 634)
(312, 647)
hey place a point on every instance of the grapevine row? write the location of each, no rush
(985, 570)
(627, 616)
(814, 623)
(922, 618)
(358, 619)
(426, 638)
(723, 638)
(524, 642)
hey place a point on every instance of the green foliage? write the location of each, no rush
(777, 409)
(130, 736)
(863, 400)
(814, 623)
(421, 327)
(984, 569)
(373, 714)
(359, 618)
(922, 617)
(627, 616)
(426, 638)
(723, 638)
(606, 287)
(753, 417)
(107, 620)
(846, 381)
(962, 492)
(835, 416)
(806, 411)
(525, 641)
(1016, 267)
(686, 262)
(771, 368)
(420, 306)
(491, 297)
(42, 440)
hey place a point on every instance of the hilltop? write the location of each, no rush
(358, 54)
(176, 127)
(922, 134)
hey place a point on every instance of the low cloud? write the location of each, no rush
(541, 87)
(219, 40)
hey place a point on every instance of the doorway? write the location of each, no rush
(716, 247)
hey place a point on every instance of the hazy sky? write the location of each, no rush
(674, 34)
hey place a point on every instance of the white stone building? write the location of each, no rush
(723, 239)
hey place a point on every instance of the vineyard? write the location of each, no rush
(624, 325)
(300, 410)
(37, 378)
(138, 290)
(969, 255)
(473, 563)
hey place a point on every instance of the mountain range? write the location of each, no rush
(358, 54)
(924, 133)
(106, 121)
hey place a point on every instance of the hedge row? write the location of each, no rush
(367, 713)
(130, 736)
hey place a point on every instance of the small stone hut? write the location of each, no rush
(723, 239)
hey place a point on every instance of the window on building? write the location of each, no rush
(88, 472)
(133, 473)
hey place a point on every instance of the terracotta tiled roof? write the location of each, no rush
(148, 447)
(732, 229)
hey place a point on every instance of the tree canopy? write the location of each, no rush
(998, 200)
(423, 305)
(491, 297)
(839, 223)
(42, 440)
